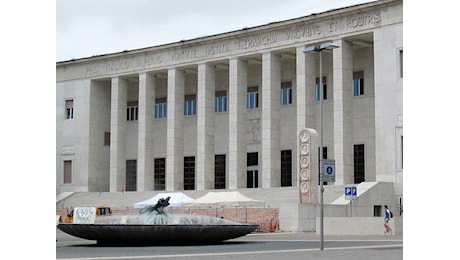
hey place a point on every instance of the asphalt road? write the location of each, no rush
(303, 245)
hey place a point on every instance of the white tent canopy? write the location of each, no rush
(176, 200)
(225, 199)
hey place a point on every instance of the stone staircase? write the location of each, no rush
(332, 192)
(273, 197)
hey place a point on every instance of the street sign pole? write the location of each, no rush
(329, 170)
(350, 194)
(351, 208)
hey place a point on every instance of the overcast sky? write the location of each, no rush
(93, 27)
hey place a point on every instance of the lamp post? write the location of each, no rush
(313, 49)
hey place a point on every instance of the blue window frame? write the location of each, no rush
(358, 83)
(252, 98)
(161, 110)
(190, 105)
(286, 93)
(220, 101)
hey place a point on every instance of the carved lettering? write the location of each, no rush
(363, 20)
(150, 60)
(256, 42)
(117, 66)
(184, 55)
(332, 26)
(303, 32)
(217, 49)
(91, 69)
(223, 47)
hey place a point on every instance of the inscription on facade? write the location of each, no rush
(149, 60)
(117, 66)
(217, 49)
(255, 42)
(332, 26)
(91, 69)
(185, 54)
(303, 32)
(363, 20)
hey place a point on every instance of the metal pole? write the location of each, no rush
(319, 49)
(351, 208)
(321, 188)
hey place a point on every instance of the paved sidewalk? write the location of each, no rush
(352, 248)
(314, 236)
(290, 236)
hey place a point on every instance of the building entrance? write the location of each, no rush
(252, 177)
(252, 180)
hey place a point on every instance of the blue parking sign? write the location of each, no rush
(347, 190)
(350, 193)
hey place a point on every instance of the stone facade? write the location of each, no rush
(107, 132)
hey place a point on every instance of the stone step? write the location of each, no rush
(274, 197)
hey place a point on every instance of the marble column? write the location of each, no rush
(388, 89)
(145, 160)
(205, 127)
(118, 134)
(306, 69)
(271, 85)
(343, 112)
(237, 160)
(175, 132)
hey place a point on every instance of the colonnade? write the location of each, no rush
(306, 115)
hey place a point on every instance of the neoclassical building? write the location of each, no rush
(225, 111)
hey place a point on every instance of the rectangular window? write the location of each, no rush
(160, 174)
(219, 171)
(377, 210)
(359, 163)
(252, 173)
(220, 101)
(107, 138)
(319, 164)
(402, 150)
(358, 83)
(324, 88)
(286, 93)
(189, 173)
(252, 98)
(286, 168)
(67, 172)
(190, 105)
(161, 108)
(69, 109)
(131, 175)
(401, 63)
(132, 111)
